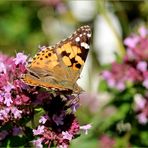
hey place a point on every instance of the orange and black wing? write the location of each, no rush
(60, 66)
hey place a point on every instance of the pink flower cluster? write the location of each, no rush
(11, 94)
(141, 109)
(19, 102)
(63, 125)
(134, 71)
(14, 101)
(61, 120)
(106, 141)
(134, 68)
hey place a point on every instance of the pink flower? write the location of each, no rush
(8, 100)
(1, 97)
(143, 31)
(63, 146)
(2, 67)
(138, 48)
(18, 102)
(145, 83)
(106, 74)
(20, 58)
(111, 82)
(120, 86)
(74, 107)
(142, 66)
(140, 101)
(21, 100)
(8, 87)
(67, 136)
(43, 119)
(38, 143)
(131, 42)
(17, 113)
(85, 128)
(58, 119)
(129, 55)
(39, 130)
(16, 131)
(4, 113)
(106, 142)
(42, 48)
(3, 134)
(142, 118)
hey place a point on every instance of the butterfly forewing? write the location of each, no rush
(59, 66)
(74, 51)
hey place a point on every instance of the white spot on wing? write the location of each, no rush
(80, 35)
(85, 45)
(89, 35)
(77, 39)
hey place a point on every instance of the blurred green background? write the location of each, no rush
(26, 25)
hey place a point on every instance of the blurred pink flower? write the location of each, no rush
(4, 114)
(137, 46)
(143, 31)
(38, 143)
(43, 119)
(145, 83)
(133, 71)
(85, 128)
(7, 99)
(2, 67)
(140, 101)
(141, 109)
(142, 66)
(134, 67)
(16, 112)
(106, 142)
(63, 146)
(39, 130)
(132, 41)
(20, 58)
(42, 48)
(106, 74)
(120, 86)
(59, 5)
(120, 74)
(17, 131)
(67, 135)
(3, 134)
(142, 118)
(58, 119)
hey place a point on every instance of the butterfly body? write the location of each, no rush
(59, 67)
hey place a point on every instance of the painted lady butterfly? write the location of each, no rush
(59, 66)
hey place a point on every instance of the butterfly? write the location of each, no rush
(58, 67)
